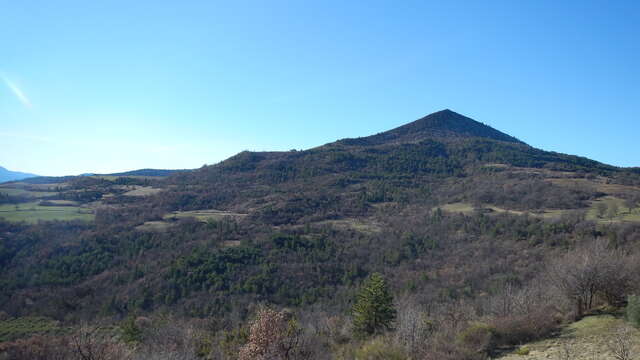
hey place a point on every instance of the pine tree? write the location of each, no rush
(373, 311)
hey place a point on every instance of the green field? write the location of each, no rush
(12, 329)
(621, 213)
(22, 192)
(32, 213)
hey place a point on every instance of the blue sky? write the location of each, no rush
(104, 86)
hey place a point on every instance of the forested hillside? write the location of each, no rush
(477, 241)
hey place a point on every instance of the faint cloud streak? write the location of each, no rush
(17, 92)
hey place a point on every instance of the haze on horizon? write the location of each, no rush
(115, 86)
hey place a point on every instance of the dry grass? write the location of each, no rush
(361, 225)
(467, 208)
(143, 191)
(203, 215)
(597, 184)
(460, 207)
(586, 339)
(624, 214)
(154, 226)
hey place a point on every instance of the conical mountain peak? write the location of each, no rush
(444, 124)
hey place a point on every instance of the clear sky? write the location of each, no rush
(108, 85)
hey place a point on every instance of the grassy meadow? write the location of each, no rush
(15, 328)
(22, 192)
(32, 212)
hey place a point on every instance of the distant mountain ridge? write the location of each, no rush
(146, 172)
(8, 175)
(159, 173)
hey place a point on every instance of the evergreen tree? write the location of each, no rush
(373, 311)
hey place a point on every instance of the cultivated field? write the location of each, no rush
(23, 192)
(32, 212)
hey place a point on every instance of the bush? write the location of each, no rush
(129, 331)
(514, 330)
(633, 310)
(378, 349)
(478, 338)
(523, 351)
(86, 343)
(36, 348)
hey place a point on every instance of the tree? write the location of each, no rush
(612, 210)
(274, 335)
(373, 311)
(601, 209)
(591, 270)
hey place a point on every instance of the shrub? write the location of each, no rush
(129, 331)
(86, 343)
(633, 310)
(514, 330)
(36, 348)
(478, 338)
(523, 351)
(94, 343)
(378, 349)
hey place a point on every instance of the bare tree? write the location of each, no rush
(413, 327)
(590, 270)
(621, 346)
(91, 343)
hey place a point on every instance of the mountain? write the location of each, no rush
(145, 172)
(444, 124)
(7, 175)
(463, 221)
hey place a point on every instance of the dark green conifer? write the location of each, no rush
(373, 311)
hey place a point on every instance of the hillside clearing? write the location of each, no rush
(586, 339)
(154, 226)
(26, 193)
(15, 328)
(359, 225)
(33, 212)
(610, 209)
(203, 215)
(466, 208)
(142, 191)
